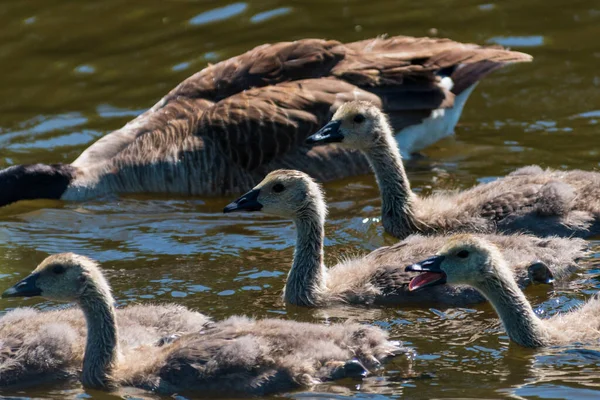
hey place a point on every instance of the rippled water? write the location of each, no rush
(73, 71)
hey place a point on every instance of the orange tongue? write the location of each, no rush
(423, 279)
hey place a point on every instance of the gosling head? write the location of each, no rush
(469, 260)
(284, 193)
(463, 260)
(357, 124)
(63, 277)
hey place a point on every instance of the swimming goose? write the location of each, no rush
(237, 356)
(379, 277)
(221, 130)
(474, 261)
(38, 346)
(531, 199)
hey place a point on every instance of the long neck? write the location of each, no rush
(515, 312)
(36, 181)
(306, 278)
(101, 350)
(396, 196)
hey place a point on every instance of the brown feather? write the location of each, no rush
(252, 112)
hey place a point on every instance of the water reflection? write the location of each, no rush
(72, 72)
(219, 14)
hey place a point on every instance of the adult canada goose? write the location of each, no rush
(236, 356)
(379, 277)
(221, 130)
(530, 199)
(474, 261)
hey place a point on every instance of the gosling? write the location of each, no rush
(45, 346)
(379, 277)
(530, 199)
(238, 356)
(476, 262)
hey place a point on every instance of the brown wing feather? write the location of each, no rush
(391, 280)
(155, 120)
(264, 65)
(259, 125)
(389, 61)
(509, 203)
(290, 91)
(553, 198)
(474, 63)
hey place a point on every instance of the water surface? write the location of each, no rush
(73, 71)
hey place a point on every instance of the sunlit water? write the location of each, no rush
(73, 71)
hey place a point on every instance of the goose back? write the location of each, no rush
(543, 202)
(243, 356)
(221, 129)
(45, 346)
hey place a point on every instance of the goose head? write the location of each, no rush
(63, 277)
(466, 260)
(357, 124)
(473, 261)
(284, 193)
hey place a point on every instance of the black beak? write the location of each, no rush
(25, 288)
(432, 273)
(330, 133)
(248, 202)
(430, 265)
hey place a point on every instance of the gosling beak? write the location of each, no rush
(248, 202)
(432, 273)
(25, 288)
(330, 133)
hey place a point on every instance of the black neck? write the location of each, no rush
(36, 181)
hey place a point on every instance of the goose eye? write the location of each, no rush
(58, 269)
(278, 188)
(359, 118)
(462, 254)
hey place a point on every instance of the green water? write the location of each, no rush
(72, 71)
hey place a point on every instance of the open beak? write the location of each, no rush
(25, 288)
(248, 202)
(330, 133)
(432, 273)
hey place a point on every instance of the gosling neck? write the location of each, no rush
(396, 196)
(515, 312)
(101, 350)
(306, 278)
